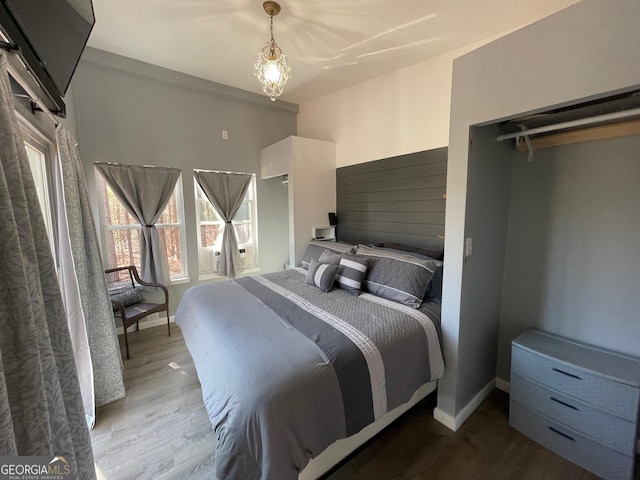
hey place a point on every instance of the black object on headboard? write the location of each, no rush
(398, 199)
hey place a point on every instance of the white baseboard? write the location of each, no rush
(454, 423)
(503, 385)
(445, 419)
(152, 322)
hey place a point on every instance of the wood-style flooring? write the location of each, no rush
(160, 430)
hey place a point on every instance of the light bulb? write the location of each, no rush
(272, 72)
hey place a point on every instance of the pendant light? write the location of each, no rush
(271, 69)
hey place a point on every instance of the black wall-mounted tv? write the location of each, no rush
(51, 35)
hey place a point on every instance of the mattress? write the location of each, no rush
(286, 369)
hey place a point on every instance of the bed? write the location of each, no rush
(287, 369)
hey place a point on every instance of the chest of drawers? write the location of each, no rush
(578, 400)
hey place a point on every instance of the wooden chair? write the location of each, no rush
(128, 303)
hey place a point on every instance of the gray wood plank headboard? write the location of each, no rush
(398, 199)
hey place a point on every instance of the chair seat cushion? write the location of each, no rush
(139, 309)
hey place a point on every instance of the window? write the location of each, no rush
(121, 232)
(210, 227)
(39, 154)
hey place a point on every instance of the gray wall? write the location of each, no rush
(398, 199)
(488, 187)
(587, 51)
(573, 254)
(131, 112)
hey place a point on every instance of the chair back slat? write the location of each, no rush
(119, 279)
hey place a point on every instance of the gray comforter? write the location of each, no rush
(286, 369)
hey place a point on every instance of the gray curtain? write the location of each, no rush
(226, 192)
(83, 284)
(145, 192)
(40, 401)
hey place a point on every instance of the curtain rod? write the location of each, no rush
(25, 85)
(221, 171)
(572, 123)
(129, 165)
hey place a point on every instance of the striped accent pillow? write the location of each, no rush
(352, 272)
(322, 275)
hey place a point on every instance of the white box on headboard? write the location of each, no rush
(324, 232)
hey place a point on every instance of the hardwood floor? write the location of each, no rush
(160, 430)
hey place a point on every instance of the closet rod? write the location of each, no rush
(572, 123)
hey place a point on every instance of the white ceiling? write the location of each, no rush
(330, 44)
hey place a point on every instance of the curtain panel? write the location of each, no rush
(83, 284)
(144, 192)
(41, 411)
(226, 192)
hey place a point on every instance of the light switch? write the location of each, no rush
(468, 247)
(225, 134)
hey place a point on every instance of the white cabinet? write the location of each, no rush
(311, 169)
(276, 160)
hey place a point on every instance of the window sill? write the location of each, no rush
(215, 276)
(179, 280)
(250, 271)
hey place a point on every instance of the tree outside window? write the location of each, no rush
(122, 232)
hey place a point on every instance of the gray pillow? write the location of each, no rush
(351, 273)
(398, 277)
(322, 275)
(437, 253)
(330, 257)
(317, 247)
(434, 292)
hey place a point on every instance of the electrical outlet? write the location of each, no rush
(225, 134)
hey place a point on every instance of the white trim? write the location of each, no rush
(153, 322)
(454, 423)
(214, 276)
(444, 418)
(503, 385)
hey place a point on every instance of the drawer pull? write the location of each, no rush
(565, 404)
(566, 373)
(568, 437)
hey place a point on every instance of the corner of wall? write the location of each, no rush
(455, 422)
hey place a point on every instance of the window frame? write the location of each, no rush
(101, 184)
(42, 143)
(255, 267)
